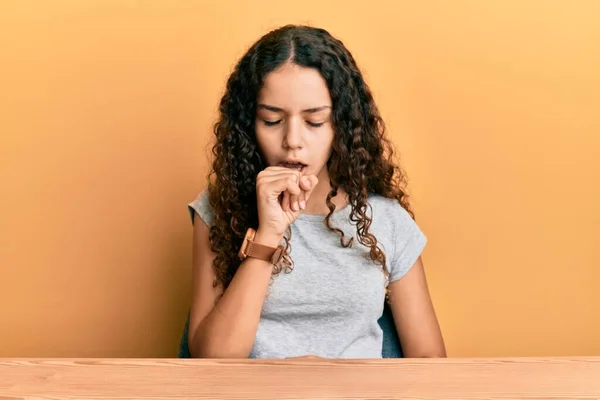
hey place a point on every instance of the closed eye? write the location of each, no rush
(271, 123)
(312, 124)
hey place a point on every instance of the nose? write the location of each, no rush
(293, 135)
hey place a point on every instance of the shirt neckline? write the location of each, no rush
(321, 217)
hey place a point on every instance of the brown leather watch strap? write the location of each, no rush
(266, 253)
(256, 250)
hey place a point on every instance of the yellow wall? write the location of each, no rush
(106, 109)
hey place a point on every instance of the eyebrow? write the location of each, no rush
(308, 110)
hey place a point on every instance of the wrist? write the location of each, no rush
(267, 238)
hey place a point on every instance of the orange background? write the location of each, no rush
(105, 114)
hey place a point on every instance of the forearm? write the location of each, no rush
(430, 350)
(229, 330)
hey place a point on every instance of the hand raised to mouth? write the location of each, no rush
(282, 194)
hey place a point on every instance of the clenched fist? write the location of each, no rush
(281, 196)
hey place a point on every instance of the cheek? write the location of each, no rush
(266, 147)
(327, 141)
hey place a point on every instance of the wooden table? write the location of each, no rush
(516, 378)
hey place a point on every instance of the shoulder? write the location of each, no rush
(201, 206)
(389, 212)
(408, 239)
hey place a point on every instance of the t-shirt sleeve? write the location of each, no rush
(201, 206)
(409, 242)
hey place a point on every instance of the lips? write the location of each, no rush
(293, 165)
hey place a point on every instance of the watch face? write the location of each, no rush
(249, 236)
(250, 233)
(242, 252)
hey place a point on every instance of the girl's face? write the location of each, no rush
(293, 120)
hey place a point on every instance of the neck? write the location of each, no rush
(317, 204)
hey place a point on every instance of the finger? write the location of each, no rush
(285, 201)
(291, 205)
(278, 175)
(302, 197)
(290, 200)
(308, 184)
(277, 170)
(273, 186)
(295, 198)
(302, 200)
(288, 183)
(294, 201)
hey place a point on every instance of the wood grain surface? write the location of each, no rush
(502, 378)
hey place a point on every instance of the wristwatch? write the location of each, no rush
(256, 250)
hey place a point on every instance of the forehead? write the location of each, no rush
(294, 88)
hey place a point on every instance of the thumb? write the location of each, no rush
(308, 184)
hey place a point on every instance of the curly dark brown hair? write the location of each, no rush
(362, 159)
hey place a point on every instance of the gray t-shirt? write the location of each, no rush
(330, 303)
